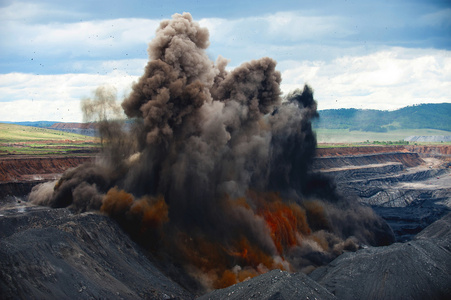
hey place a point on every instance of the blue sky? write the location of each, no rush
(361, 54)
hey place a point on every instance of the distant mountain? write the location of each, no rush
(40, 124)
(423, 116)
(88, 129)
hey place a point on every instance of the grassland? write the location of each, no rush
(26, 140)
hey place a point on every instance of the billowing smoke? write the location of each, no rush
(212, 170)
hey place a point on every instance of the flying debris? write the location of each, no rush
(212, 173)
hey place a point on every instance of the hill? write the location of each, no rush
(19, 133)
(26, 140)
(40, 124)
(424, 116)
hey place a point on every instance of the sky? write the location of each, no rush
(354, 54)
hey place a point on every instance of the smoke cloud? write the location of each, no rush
(212, 170)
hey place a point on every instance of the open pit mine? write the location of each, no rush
(215, 189)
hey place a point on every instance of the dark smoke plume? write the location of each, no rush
(212, 172)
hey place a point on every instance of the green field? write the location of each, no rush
(17, 133)
(346, 136)
(27, 140)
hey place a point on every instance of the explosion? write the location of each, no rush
(211, 172)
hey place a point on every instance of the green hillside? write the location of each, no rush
(424, 116)
(11, 133)
(27, 140)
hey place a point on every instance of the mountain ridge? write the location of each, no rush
(422, 116)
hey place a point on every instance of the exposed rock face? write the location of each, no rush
(23, 168)
(53, 254)
(407, 159)
(419, 269)
(13, 189)
(409, 190)
(276, 284)
(18, 175)
(422, 149)
(428, 150)
(343, 151)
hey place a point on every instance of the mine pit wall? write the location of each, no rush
(405, 187)
(19, 175)
(430, 149)
(17, 190)
(345, 151)
(14, 169)
(407, 159)
(422, 150)
(362, 172)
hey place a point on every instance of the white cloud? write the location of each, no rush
(81, 39)
(29, 97)
(388, 79)
(311, 48)
(43, 110)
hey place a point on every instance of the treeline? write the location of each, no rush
(423, 116)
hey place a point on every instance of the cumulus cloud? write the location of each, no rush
(29, 97)
(53, 54)
(388, 79)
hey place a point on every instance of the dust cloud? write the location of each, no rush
(211, 171)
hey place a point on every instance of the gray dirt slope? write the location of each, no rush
(273, 285)
(419, 269)
(54, 254)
